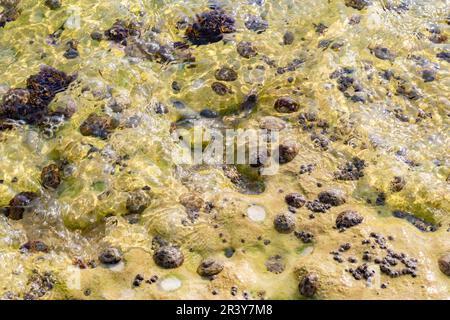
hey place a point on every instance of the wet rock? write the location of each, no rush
(382, 53)
(229, 252)
(272, 123)
(250, 102)
(100, 126)
(34, 246)
(168, 257)
(419, 223)
(226, 74)
(246, 178)
(19, 204)
(428, 75)
(288, 150)
(209, 114)
(357, 4)
(210, 267)
(438, 38)
(333, 197)
(354, 20)
(220, 88)
(191, 201)
(352, 170)
(256, 24)
(246, 49)
(324, 44)
(39, 284)
(284, 223)
(381, 199)
(295, 200)
(176, 86)
(120, 31)
(345, 82)
(408, 91)
(31, 104)
(10, 13)
(320, 28)
(51, 176)
(72, 50)
(444, 264)
(209, 27)
(138, 201)
(275, 264)
(161, 108)
(444, 56)
(309, 285)
(53, 4)
(288, 38)
(286, 105)
(348, 219)
(97, 36)
(110, 256)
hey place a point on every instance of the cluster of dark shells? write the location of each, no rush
(209, 27)
(31, 104)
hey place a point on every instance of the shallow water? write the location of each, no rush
(394, 135)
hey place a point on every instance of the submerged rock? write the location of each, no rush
(31, 104)
(284, 223)
(286, 105)
(382, 53)
(295, 200)
(246, 49)
(288, 38)
(34, 246)
(444, 264)
(191, 201)
(210, 267)
(444, 55)
(250, 102)
(226, 74)
(397, 184)
(100, 126)
(309, 285)
(255, 23)
(10, 12)
(209, 27)
(53, 4)
(120, 31)
(272, 123)
(19, 204)
(72, 50)
(419, 223)
(357, 4)
(275, 264)
(333, 197)
(138, 201)
(288, 150)
(247, 179)
(168, 257)
(220, 88)
(209, 114)
(348, 219)
(51, 176)
(110, 256)
(428, 75)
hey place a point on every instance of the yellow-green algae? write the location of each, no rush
(75, 222)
